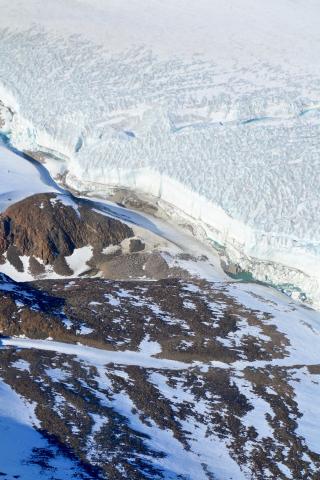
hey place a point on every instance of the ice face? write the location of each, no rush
(213, 108)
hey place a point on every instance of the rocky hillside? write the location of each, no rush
(50, 235)
(163, 380)
(47, 228)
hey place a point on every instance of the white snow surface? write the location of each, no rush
(306, 387)
(213, 107)
(20, 440)
(19, 179)
(149, 347)
(78, 260)
(97, 356)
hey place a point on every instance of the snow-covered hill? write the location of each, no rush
(212, 107)
(165, 380)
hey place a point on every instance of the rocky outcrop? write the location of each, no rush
(49, 226)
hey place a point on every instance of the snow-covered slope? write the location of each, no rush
(25, 453)
(20, 179)
(165, 380)
(211, 106)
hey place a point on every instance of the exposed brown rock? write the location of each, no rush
(136, 245)
(36, 268)
(44, 227)
(13, 255)
(61, 267)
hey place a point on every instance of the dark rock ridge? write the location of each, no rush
(49, 226)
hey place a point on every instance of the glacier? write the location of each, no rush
(213, 110)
